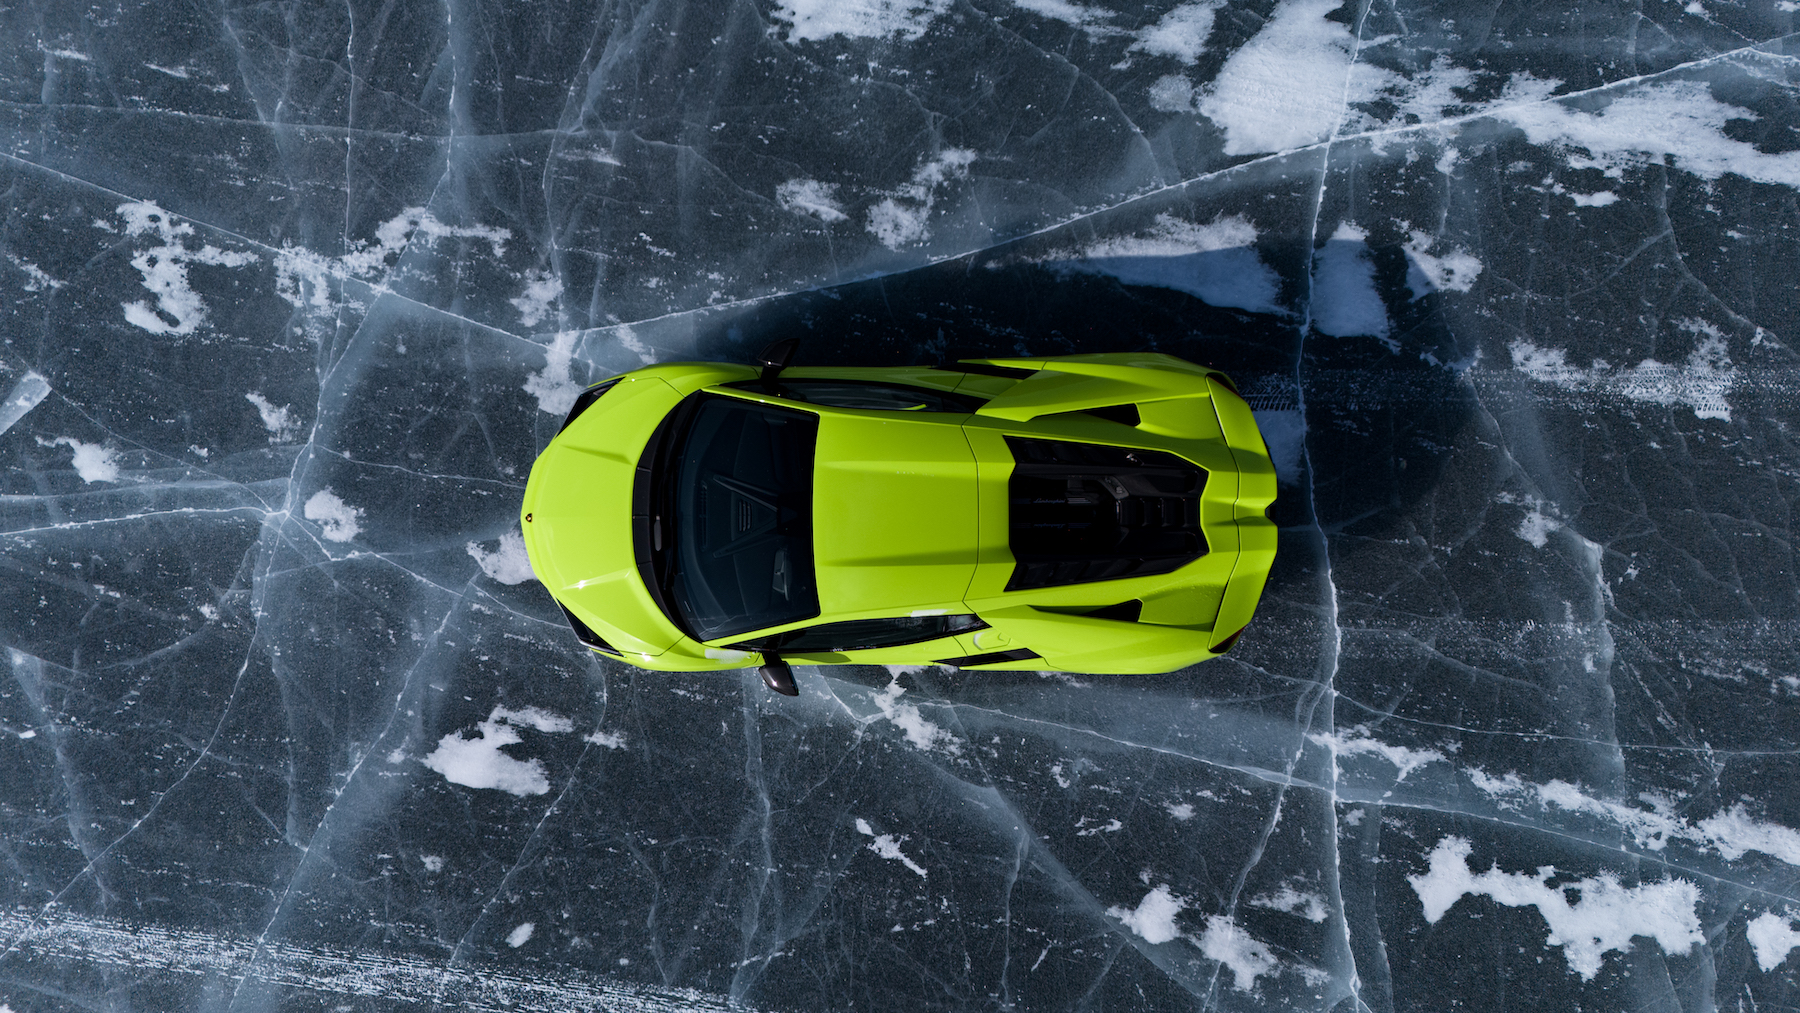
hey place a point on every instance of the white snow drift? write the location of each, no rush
(1603, 918)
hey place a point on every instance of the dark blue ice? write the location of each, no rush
(292, 294)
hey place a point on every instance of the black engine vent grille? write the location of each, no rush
(1081, 512)
(996, 658)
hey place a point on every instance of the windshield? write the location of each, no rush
(730, 522)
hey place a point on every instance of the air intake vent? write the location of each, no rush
(586, 635)
(1123, 414)
(586, 399)
(1123, 612)
(1082, 512)
(998, 657)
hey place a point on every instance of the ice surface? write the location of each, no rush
(293, 296)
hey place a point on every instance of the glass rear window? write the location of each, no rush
(732, 518)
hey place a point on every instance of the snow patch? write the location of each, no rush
(94, 462)
(1216, 262)
(303, 277)
(1594, 200)
(813, 20)
(1510, 784)
(1111, 826)
(919, 731)
(1079, 15)
(1701, 383)
(36, 280)
(1453, 270)
(1733, 833)
(1344, 301)
(902, 219)
(1181, 33)
(1424, 97)
(553, 386)
(1604, 917)
(521, 935)
(280, 423)
(1288, 900)
(1183, 811)
(888, 847)
(1676, 119)
(179, 309)
(811, 197)
(1773, 938)
(1230, 945)
(433, 863)
(610, 740)
(337, 519)
(629, 340)
(1358, 741)
(28, 393)
(1285, 87)
(535, 717)
(508, 564)
(1172, 93)
(1154, 916)
(1536, 526)
(541, 291)
(479, 763)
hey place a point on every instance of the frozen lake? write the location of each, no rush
(292, 295)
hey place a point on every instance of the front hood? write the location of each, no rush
(579, 537)
(894, 519)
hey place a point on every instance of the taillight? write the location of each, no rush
(1225, 645)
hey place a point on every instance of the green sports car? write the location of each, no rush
(1082, 513)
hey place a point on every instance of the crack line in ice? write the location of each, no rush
(296, 875)
(1561, 737)
(425, 475)
(1363, 797)
(521, 860)
(1755, 49)
(1328, 685)
(934, 259)
(87, 870)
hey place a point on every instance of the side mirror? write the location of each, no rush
(778, 676)
(775, 358)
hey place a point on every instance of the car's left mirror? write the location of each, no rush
(776, 357)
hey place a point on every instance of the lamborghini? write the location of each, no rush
(1101, 514)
